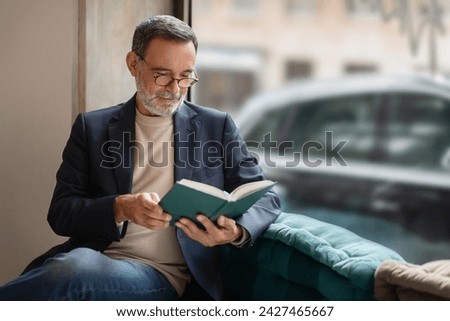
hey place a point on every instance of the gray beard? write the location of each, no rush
(166, 110)
(158, 109)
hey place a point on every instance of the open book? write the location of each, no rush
(188, 198)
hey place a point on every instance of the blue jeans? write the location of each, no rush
(85, 274)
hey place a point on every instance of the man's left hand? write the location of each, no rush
(223, 232)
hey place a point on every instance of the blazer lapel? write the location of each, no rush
(203, 262)
(122, 134)
(185, 133)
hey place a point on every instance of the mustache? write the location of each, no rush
(168, 95)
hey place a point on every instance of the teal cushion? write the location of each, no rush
(301, 258)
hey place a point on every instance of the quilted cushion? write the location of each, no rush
(404, 281)
(301, 258)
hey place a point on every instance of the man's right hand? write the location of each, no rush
(142, 209)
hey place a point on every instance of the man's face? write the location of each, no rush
(163, 57)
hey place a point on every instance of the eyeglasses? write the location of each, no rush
(165, 80)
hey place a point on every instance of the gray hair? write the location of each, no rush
(161, 26)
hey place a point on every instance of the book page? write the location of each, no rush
(249, 188)
(205, 188)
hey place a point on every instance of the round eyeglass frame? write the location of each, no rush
(165, 80)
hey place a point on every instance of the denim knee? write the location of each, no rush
(74, 264)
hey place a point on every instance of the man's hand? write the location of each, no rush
(225, 231)
(142, 209)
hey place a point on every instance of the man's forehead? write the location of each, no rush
(171, 55)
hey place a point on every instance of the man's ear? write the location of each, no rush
(132, 60)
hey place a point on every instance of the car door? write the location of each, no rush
(415, 141)
(317, 142)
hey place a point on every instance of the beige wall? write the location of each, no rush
(39, 97)
(109, 28)
(36, 61)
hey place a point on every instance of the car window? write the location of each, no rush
(272, 127)
(419, 131)
(349, 119)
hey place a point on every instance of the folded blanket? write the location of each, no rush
(301, 258)
(404, 281)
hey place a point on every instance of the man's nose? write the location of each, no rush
(173, 87)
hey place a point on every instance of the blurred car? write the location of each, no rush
(370, 153)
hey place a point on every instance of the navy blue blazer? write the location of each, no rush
(98, 163)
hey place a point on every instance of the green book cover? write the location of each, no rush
(188, 198)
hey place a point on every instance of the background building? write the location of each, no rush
(247, 46)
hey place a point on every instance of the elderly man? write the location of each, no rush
(119, 162)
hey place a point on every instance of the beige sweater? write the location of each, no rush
(153, 172)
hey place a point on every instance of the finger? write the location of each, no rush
(153, 217)
(153, 209)
(230, 230)
(145, 200)
(226, 222)
(182, 226)
(149, 200)
(156, 224)
(188, 229)
(158, 219)
(194, 232)
(151, 220)
(215, 234)
(189, 225)
(206, 222)
(154, 197)
(150, 223)
(158, 213)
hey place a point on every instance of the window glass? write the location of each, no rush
(302, 8)
(355, 68)
(226, 88)
(348, 119)
(298, 69)
(227, 78)
(362, 9)
(269, 49)
(204, 6)
(419, 131)
(337, 37)
(245, 8)
(272, 127)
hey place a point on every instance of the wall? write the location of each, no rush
(46, 80)
(37, 61)
(107, 39)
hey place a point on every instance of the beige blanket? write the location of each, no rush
(404, 281)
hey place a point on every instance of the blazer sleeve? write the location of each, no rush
(241, 168)
(74, 210)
